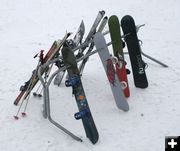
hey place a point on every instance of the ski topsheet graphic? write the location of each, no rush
(107, 62)
(134, 49)
(115, 33)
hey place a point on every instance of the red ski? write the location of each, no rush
(29, 85)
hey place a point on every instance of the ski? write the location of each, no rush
(74, 81)
(53, 51)
(134, 49)
(100, 29)
(91, 32)
(115, 34)
(80, 34)
(107, 62)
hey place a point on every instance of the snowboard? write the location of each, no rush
(108, 65)
(134, 49)
(74, 80)
(29, 85)
(115, 34)
(91, 33)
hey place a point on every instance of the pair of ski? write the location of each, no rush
(26, 89)
(53, 52)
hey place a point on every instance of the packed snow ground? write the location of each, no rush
(29, 26)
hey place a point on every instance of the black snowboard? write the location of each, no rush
(78, 91)
(134, 49)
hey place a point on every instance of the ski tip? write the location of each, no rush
(16, 117)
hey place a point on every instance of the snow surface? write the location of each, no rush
(29, 26)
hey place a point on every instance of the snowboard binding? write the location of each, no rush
(73, 81)
(81, 114)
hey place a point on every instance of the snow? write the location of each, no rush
(29, 26)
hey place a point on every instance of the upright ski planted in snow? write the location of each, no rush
(107, 62)
(137, 64)
(75, 82)
(115, 33)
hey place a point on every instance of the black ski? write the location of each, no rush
(78, 91)
(134, 49)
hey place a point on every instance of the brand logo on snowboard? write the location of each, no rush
(110, 72)
(140, 64)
